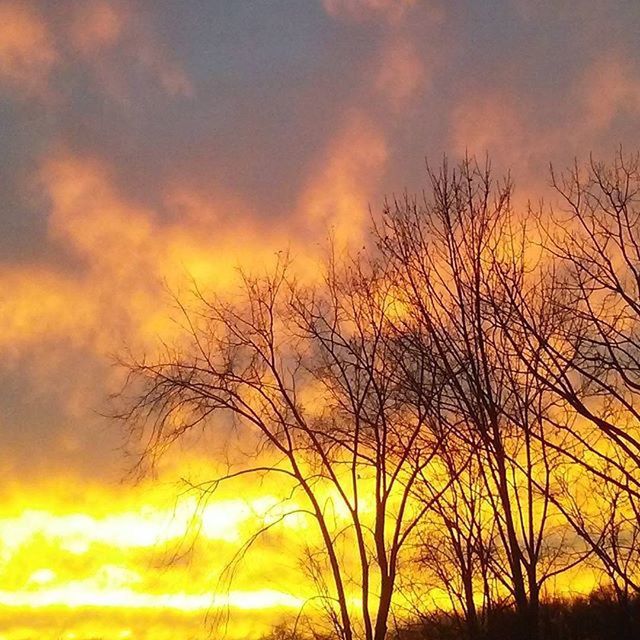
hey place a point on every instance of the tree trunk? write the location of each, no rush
(382, 618)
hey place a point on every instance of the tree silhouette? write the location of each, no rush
(453, 255)
(465, 393)
(591, 362)
(362, 440)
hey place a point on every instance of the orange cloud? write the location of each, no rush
(27, 51)
(339, 191)
(129, 255)
(36, 307)
(89, 216)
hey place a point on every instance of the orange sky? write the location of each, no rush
(145, 144)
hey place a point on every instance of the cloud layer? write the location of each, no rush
(148, 143)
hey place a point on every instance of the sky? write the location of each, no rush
(145, 143)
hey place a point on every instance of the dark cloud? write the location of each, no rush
(163, 133)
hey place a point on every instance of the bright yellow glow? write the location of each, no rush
(83, 561)
(85, 594)
(70, 561)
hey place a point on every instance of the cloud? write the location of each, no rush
(27, 50)
(125, 256)
(402, 73)
(114, 41)
(96, 25)
(610, 87)
(524, 133)
(337, 195)
(39, 56)
(490, 122)
(359, 10)
(58, 326)
(36, 308)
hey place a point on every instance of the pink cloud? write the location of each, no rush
(27, 51)
(609, 87)
(402, 73)
(391, 10)
(101, 29)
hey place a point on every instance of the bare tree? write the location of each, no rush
(450, 254)
(443, 391)
(315, 371)
(591, 362)
(459, 547)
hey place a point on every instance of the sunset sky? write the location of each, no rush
(146, 143)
